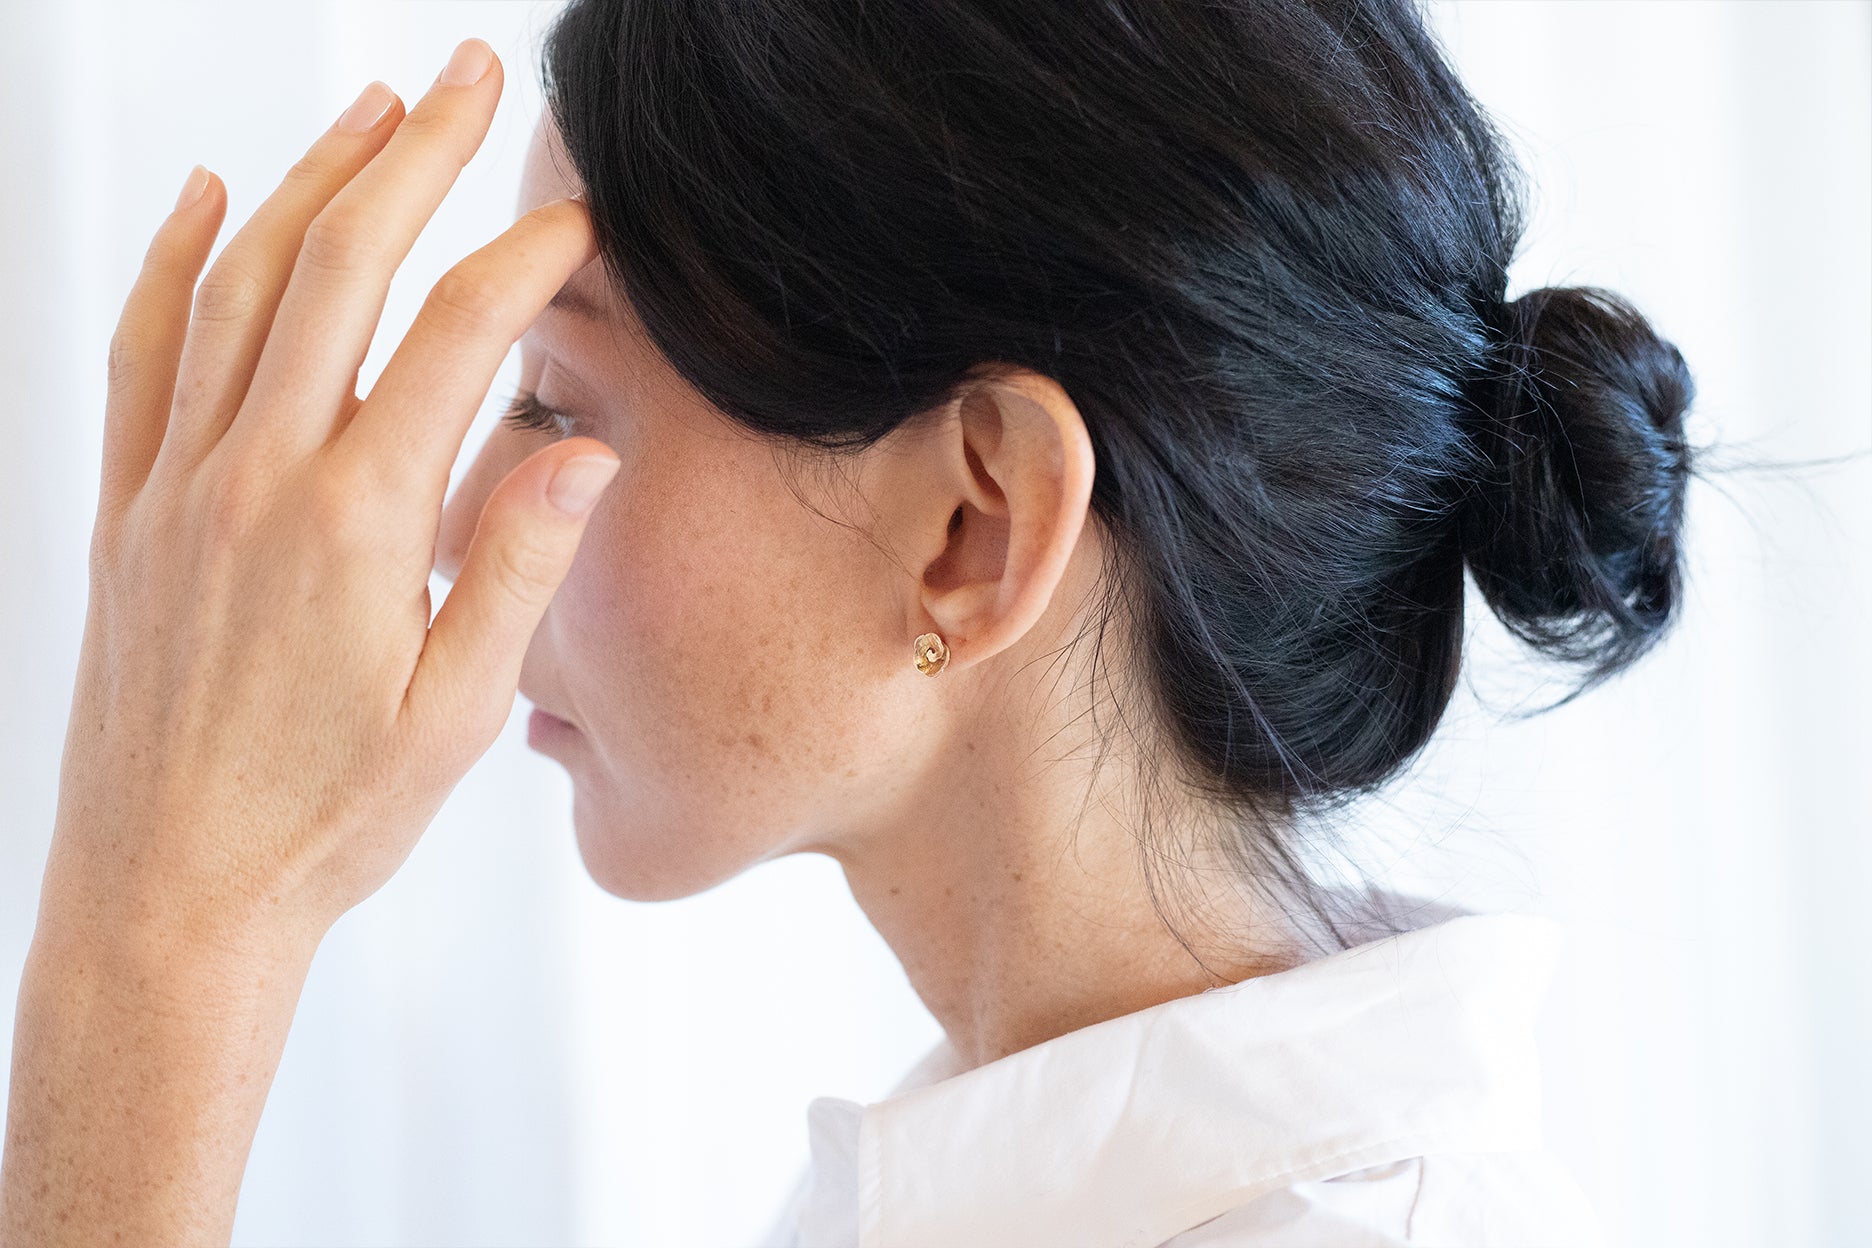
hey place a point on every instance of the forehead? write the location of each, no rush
(548, 173)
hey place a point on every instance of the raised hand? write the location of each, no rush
(265, 718)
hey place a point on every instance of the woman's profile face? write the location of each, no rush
(731, 664)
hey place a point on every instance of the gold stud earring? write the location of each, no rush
(931, 654)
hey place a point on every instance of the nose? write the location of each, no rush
(499, 455)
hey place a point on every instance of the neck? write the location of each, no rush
(1020, 912)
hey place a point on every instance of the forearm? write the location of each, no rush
(140, 1068)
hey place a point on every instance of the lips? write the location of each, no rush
(544, 731)
(543, 709)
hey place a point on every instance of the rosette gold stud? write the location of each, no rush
(931, 654)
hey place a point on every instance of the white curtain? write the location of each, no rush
(493, 1051)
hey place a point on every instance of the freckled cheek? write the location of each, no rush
(712, 650)
(610, 626)
(659, 631)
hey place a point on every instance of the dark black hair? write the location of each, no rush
(1264, 247)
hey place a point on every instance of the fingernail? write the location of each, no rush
(470, 61)
(368, 109)
(579, 481)
(193, 188)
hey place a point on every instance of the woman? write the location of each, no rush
(1047, 439)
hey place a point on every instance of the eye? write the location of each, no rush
(527, 413)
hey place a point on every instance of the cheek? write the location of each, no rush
(723, 643)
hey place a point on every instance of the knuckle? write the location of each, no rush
(227, 295)
(465, 301)
(338, 506)
(163, 261)
(306, 175)
(519, 570)
(430, 121)
(107, 536)
(339, 240)
(424, 118)
(229, 502)
(121, 362)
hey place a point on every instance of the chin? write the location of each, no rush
(642, 864)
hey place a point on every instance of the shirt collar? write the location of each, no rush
(1131, 1130)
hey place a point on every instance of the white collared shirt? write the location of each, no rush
(1388, 1094)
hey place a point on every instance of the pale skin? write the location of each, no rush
(266, 720)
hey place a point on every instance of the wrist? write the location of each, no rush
(142, 1061)
(136, 923)
(166, 972)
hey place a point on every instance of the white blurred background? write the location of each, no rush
(493, 1051)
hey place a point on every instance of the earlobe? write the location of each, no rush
(1021, 466)
(932, 654)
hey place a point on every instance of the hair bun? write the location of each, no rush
(1572, 527)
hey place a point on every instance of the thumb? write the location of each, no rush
(522, 548)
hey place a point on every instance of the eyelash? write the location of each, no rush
(525, 412)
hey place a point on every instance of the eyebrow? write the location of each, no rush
(576, 301)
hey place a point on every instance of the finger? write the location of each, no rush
(408, 433)
(336, 295)
(235, 306)
(522, 548)
(147, 343)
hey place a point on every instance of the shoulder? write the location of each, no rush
(1477, 1200)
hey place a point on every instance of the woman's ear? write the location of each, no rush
(1009, 479)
